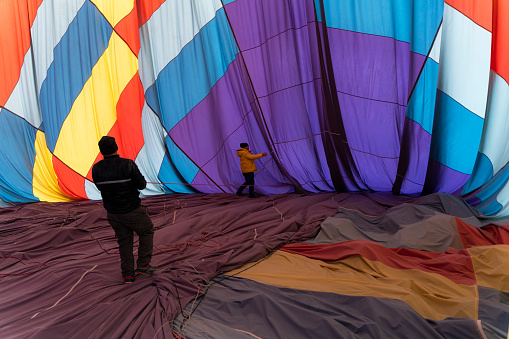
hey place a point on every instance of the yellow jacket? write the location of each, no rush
(247, 159)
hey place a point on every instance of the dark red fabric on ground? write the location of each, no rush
(60, 271)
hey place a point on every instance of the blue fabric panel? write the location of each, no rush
(17, 156)
(181, 164)
(74, 57)
(421, 106)
(189, 77)
(399, 19)
(456, 134)
(491, 190)
(483, 172)
(168, 174)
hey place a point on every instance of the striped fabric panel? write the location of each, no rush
(479, 12)
(114, 10)
(465, 61)
(153, 161)
(145, 9)
(23, 100)
(181, 20)
(14, 41)
(390, 18)
(152, 153)
(45, 182)
(79, 49)
(431, 295)
(50, 25)
(94, 110)
(17, 156)
(187, 79)
(457, 135)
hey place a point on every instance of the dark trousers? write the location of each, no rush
(249, 177)
(124, 225)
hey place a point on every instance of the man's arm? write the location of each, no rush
(138, 179)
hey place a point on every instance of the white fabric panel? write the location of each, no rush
(91, 190)
(50, 24)
(435, 50)
(172, 26)
(495, 141)
(23, 99)
(464, 61)
(151, 155)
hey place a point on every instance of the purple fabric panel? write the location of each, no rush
(222, 121)
(374, 77)
(285, 73)
(286, 67)
(440, 178)
(420, 142)
(291, 117)
(255, 21)
(376, 149)
(214, 119)
(373, 67)
(284, 61)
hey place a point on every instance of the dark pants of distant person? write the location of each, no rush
(125, 224)
(249, 177)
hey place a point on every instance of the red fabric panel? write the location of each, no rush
(70, 182)
(479, 11)
(16, 17)
(500, 40)
(127, 29)
(452, 264)
(482, 236)
(146, 8)
(127, 130)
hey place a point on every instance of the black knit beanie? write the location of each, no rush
(107, 145)
(243, 144)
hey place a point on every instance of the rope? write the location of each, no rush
(186, 184)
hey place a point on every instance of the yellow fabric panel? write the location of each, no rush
(45, 182)
(114, 10)
(491, 266)
(431, 295)
(94, 111)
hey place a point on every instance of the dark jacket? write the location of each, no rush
(119, 180)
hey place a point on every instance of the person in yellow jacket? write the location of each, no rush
(248, 167)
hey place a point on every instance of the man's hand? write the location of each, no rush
(264, 153)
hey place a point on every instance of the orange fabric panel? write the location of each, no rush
(479, 11)
(16, 17)
(127, 130)
(500, 40)
(452, 264)
(127, 29)
(146, 8)
(70, 182)
(431, 295)
(491, 266)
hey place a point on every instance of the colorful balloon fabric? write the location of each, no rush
(398, 96)
(320, 265)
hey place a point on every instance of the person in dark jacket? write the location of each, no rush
(119, 181)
